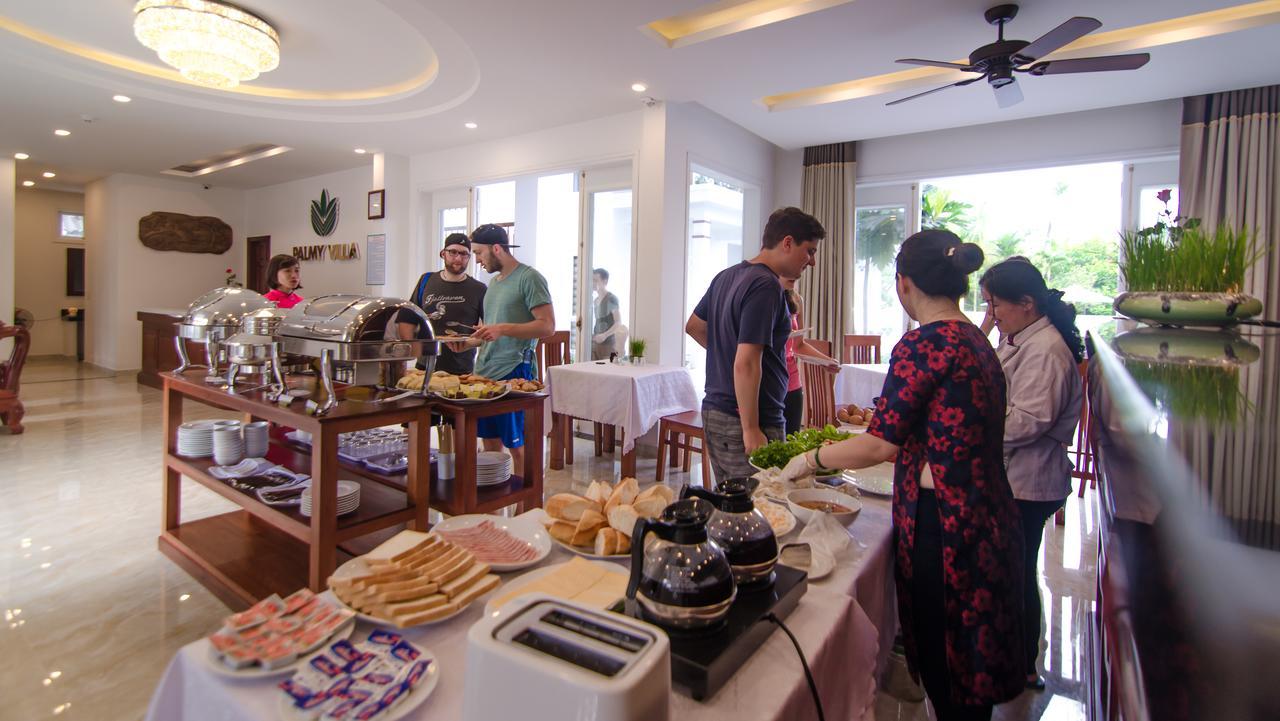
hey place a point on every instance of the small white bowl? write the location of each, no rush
(826, 495)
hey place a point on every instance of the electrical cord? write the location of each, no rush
(813, 687)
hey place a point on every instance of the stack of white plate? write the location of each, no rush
(255, 439)
(492, 468)
(348, 498)
(195, 439)
(228, 445)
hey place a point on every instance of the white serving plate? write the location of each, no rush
(781, 519)
(530, 577)
(589, 553)
(253, 672)
(406, 706)
(524, 529)
(357, 566)
(876, 480)
(466, 401)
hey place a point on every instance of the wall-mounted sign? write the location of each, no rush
(334, 251)
(375, 258)
(324, 214)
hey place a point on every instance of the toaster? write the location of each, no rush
(540, 657)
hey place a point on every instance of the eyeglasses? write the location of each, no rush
(458, 253)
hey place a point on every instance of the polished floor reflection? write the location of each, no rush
(92, 611)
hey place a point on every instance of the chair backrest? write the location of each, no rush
(11, 370)
(819, 390)
(554, 350)
(1081, 451)
(861, 349)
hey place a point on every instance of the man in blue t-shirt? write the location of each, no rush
(744, 323)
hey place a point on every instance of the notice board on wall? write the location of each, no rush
(375, 259)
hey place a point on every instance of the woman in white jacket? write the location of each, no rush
(1039, 350)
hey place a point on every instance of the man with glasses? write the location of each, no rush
(453, 300)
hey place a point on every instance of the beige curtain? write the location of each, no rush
(827, 194)
(1230, 173)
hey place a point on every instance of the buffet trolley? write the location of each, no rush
(248, 554)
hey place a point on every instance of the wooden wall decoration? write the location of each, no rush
(184, 233)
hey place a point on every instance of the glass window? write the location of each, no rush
(611, 252)
(452, 220)
(878, 233)
(71, 225)
(496, 203)
(716, 219)
(557, 243)
(1151, 209)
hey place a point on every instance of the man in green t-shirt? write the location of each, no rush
(517, 312)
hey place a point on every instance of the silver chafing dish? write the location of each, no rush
(256, 347)
(355, 338)
(211, 319)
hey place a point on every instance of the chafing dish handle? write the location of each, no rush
(211, 350)
(326, 378)
(277, 368)
(183, 361)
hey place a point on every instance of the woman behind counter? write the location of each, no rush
(793, 409)
(1040, 349)
(957, 535)
(284, 277)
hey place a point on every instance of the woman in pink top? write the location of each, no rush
(284, 276)
(793, 410)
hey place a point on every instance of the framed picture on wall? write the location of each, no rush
(377, 209)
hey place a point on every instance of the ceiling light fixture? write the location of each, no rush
(210, 43)
(121, 98)
(470, 126)
(28, 183)
(20, 156)
(49, 174)
(639, 87)
(361, 151)
(61, 133)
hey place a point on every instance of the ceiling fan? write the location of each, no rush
(998, 61)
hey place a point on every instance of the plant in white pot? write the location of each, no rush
(636, 347)
(1178, 273)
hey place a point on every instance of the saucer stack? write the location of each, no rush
(195, 439)
(228, 445)
(348, 498)
(255, 439)
(492, 468)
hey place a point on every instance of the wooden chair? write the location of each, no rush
(861, 349)
(1081, 452)
(819, 390)
(11, 410)
(677, 433)
(554, 350)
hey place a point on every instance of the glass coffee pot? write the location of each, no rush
(738, 528)
(679, 576)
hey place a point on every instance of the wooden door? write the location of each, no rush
(259, 258)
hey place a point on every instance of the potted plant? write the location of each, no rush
(1178, 273)
(636, 346)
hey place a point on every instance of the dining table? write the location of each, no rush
(630, 398)
(860, 383)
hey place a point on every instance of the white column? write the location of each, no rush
(8, 181)
(391, 174)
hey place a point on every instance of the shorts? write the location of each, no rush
(507, 426)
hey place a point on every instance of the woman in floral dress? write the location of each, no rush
(957, 533)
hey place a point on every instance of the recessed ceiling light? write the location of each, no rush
(470, 126)
(361, 151)
(49, 174)
(28, 183)
(62, 133)
(639, 87)
(20, 156)
(121, 98)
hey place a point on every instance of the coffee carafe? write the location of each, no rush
(738, 528)
(679, 576)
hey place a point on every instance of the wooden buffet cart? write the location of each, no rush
(247, 554)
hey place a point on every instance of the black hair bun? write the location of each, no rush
(967, 257)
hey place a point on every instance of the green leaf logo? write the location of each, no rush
(324, 214)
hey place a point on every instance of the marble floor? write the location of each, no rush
(93, 612)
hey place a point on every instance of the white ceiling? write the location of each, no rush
(517, 66)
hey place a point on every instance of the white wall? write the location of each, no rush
(7, 182)
(40, 263)
(125, 276)
(788, 177)
(284, 213)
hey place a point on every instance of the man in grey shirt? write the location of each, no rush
(604, 332)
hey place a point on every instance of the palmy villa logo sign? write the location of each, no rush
(324, 214)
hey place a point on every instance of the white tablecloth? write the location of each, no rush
(632, 398)
(840, 640)
(859, 383)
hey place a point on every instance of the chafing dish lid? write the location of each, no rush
(346, 318)
(224, 307)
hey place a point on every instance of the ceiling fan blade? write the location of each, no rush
(1008, 95)
(929, 92)
(934, 63)
(1066, 33)
(1090, 65)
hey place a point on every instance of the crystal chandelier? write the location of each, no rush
(209, 42)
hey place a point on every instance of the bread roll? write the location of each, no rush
(606, 542)
(623, 493)
(650, 507)
(567, 506)
(623, 519)
(661, 491)
(598, 492)
(562, 531)
(584, 534)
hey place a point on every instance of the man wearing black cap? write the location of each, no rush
(453, 300)
(517, 312)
